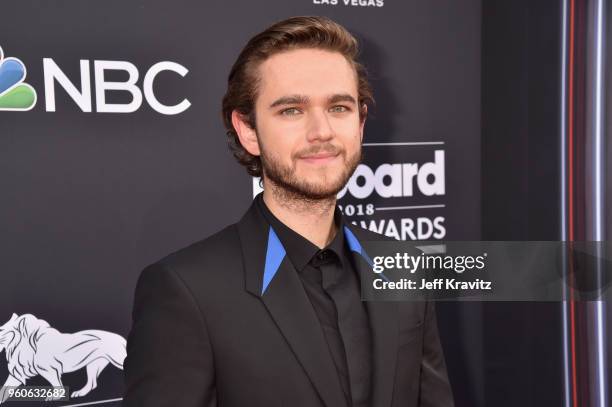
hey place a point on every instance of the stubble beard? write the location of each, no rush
(288, 187)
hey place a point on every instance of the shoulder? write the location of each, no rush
(214, 248)
(204, 260)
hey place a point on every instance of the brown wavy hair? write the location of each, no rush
(293, 33)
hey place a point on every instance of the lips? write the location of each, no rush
(320, 158)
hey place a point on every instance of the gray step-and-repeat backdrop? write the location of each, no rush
(113, 153)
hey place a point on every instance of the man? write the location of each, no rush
(267, 312)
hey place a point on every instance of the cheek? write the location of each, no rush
(280, 139)
(347, 128)
(351, 137)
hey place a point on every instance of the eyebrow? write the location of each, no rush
(304, 100)
(342, 97)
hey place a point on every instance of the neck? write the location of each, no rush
(311, 218)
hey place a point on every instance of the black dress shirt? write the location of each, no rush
(332, 285)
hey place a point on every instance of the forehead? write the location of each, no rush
(311, 72)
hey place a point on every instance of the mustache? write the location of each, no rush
(324, 148)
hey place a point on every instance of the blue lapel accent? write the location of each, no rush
(274, 257)
(355, 246)
(276, 253)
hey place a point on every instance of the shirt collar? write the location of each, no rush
(299, 249)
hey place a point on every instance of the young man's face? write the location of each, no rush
(307, 121)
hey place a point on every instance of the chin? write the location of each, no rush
(323, 189)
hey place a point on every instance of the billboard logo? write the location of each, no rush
(402, 178)
(15, 95)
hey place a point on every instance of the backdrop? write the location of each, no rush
(113, 154)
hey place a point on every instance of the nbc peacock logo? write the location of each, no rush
(15, 95)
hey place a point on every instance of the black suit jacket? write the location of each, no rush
(226, 322)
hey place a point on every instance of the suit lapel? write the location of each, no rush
(271, 277)
(383, 316)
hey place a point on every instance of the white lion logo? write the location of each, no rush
(34, 348)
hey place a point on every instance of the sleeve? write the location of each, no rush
(169, 356)
(435, 389)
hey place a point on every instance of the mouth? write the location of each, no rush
(320, 158)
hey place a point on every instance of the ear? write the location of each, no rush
(13, 316)
(362, 124)
(246, 135)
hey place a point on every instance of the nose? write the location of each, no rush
(319, 127)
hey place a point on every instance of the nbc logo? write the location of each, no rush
(15, 95)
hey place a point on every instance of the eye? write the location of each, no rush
(292, 111)
(340, 109)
